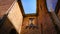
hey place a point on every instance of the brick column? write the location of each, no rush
(44, 21)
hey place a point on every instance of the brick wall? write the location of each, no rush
(15, 16)
(44, 19)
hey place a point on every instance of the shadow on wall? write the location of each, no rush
(7, 28)
(13, 31)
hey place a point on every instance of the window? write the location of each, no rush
(51, 4)
(29, 6)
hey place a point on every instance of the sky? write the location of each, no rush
(29, 6)
(51, 4)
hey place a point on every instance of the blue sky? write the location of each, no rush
(51, 3)
(29, 6)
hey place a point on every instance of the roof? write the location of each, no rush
(4, 6)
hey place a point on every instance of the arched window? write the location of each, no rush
(29, 6)
(51, 4)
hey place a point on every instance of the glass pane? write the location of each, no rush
(29, 6)
(51, 4)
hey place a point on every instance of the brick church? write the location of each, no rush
(29, 16)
